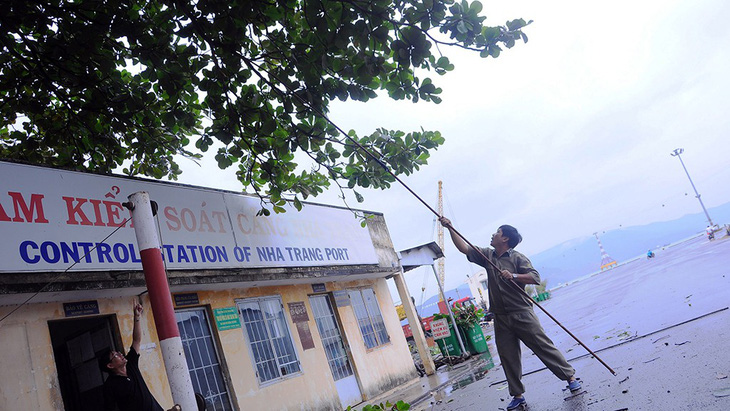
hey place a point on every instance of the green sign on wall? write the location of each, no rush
(226, 318)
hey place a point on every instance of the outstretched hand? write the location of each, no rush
(137, 309)
(445, 221)
(137, 330)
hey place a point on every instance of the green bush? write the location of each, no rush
(467, 315)
(398, 406)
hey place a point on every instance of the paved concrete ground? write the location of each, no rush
(661, 324)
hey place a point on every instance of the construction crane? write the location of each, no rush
(441, 266)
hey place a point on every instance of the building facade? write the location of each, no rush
(478, 286)
(286, 312)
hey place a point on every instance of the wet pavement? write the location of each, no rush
(663, 325)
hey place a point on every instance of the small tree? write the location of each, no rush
(467, 315)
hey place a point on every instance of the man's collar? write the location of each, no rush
(508, 252)
(121, 371)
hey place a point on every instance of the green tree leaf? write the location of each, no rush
(93, 85)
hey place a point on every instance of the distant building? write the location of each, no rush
(290, 311)
(478, 286)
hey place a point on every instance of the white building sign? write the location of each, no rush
(51, 218)
(440, 329)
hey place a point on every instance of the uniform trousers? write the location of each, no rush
(509, 330)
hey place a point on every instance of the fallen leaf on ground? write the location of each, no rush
(723, 392)
(574, 395)
(659, 339)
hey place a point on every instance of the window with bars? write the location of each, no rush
(269, 338)
(202, 358)
(369, 318)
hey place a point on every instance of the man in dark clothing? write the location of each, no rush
(125, 388)
(514, 320)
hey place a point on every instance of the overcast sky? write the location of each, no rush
(566, 135)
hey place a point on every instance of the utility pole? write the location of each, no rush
(451, 315)
(442, 268)
(173, 354)
(678, 153)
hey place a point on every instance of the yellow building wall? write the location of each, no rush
(384, 367)
(29, 379)
(378, 370)
(313, 388)
(28, 375)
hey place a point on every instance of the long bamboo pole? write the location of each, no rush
(385, 167)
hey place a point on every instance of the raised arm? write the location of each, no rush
(459, 242)
(136, 331)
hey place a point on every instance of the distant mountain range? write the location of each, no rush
(581, 256)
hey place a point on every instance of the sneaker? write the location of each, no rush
(574, 385)
(516, 403)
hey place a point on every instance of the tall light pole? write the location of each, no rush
(677, 153)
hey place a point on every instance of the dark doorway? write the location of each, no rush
(76, 345)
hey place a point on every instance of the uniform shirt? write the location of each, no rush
(130, 393)
(503, 297)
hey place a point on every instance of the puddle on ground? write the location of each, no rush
(475, 374)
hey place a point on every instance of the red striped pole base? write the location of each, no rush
(171, 347)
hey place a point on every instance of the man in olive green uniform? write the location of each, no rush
(514, 319)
